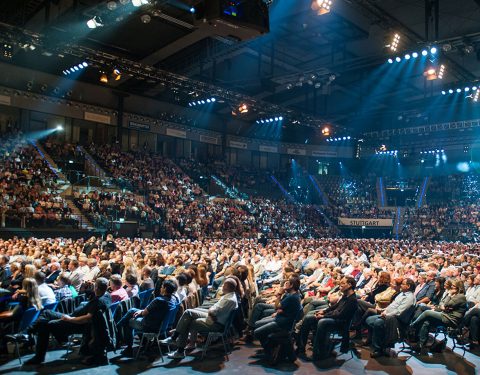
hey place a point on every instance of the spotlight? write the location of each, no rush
(94, 23)
(137, 3)
(407, 57)
(450, 91)
(441, 71)
(189, 104)
(75, 68)
(145, 18)
(390, 61)
(59, 128)
(444, 92)
(424, 52)
(213, 100)
(467, 89)
(433, 50)
(348, 137)
(280, 118)
(398, 59)
(103, 78)
(430, 73)
(415, 55)
(393, 45)
(476, 96)
(326, 131)
(262, 121)
(459, 90)
(116, 74)
(192, 10)
(276, 118)
(469, 49)
(243, 108)
(85, 64)
(321, 6)
(111, 5)
(208, 100)
(474, 88)
(199, 102)
(202, 101)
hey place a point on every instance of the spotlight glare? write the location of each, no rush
(192, 10)
(407, 57)
(415, 55)
(208, 100)
(276, 118)
(450, 91)
(59, 128)
(459, 90)
(390, 61)
(467, 89)
(398, 59)
(433, 50)
(213, 100)
(136, 3)
(280, 118)
(443, 92)
(85, 64)
(424, 52)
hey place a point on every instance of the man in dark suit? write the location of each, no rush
(61, 326)
(324, 322)
(150, 318)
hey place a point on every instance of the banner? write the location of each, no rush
(6, 100)
(296, 151)
(208, 139)
(95, 117)
(236, 144)
(176, 133)
(138, 126)
(273, 149)
(324, 154)
(353, 222)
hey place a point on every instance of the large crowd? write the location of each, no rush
(375, 293)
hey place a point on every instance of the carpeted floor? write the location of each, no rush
(243, 361)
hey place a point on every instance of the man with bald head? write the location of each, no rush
(196, 320)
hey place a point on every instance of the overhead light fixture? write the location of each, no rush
(476, 97)
(117, 75)
(243, 108)
(424, 52)
(94, 23)
(415, 55)
(326, 131)
(430, 74)
(441, 71)
(111, 5)
(103, 78)
(59, 128)
(433, 50)
(145, 18)
(139, 3)
(322, 6)
(192, 10)
(393, 44)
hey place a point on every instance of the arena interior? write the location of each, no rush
(242, 186)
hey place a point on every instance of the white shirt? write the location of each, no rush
(222, 309)
(46, 294)
(181, 293)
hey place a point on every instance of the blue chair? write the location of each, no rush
(28, 318)
(145, 298)
(51, 306)
(162, 332)
(113, 307)
(225, 335)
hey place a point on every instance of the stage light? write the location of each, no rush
(189, 104)
(450, 91)
(424, 52)
(390, 61)
(476, 97)
(59, 128)
(111, 5)
(280, 118)
(326, 131)
(348, 137)
(444, 92)
(407, 57)
(433, 50)
(145, 18)
(398, 59)
(103, 78)
(322, 6)
(276, 118)
(116, 74)
(208, 100)
(213, 100)
(243, 108)
(94, 23)
(415, 55)
(441, 71)
(262, 121)
(137, 3)
(192, 10)
(393, 45)
(467, 89)
(474, 88)
(459, 90)
(202, 101)
(75, 68)
(199, 102)
(430, 74)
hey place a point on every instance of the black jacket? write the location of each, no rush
(343, 310)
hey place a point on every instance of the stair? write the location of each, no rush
(399, 221)
(51, 164)
(92, 168)
(85, 223)
(319, 190)
(421, 199)
(381, 193)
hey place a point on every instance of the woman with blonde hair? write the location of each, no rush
(27, 297)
